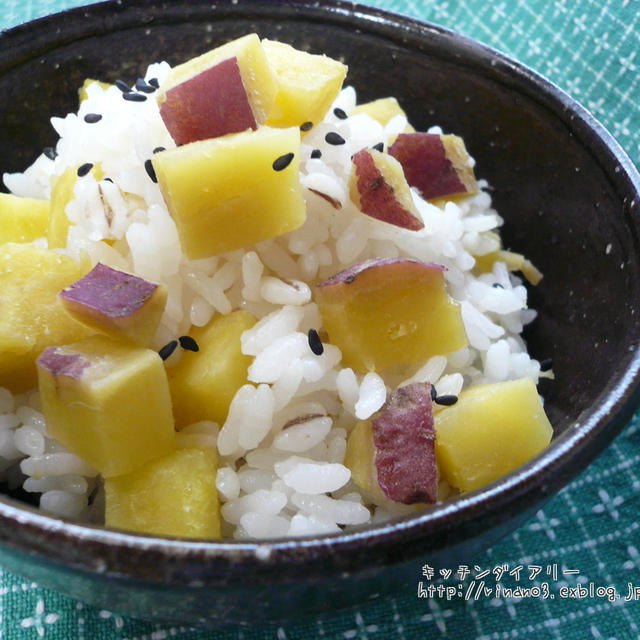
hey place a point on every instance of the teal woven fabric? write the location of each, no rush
(554, 577)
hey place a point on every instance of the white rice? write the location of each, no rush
(371, 396)
(282, 446)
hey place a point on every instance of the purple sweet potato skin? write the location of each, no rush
(425, 164)
(210, 104)
(404, 439)
(110, 292)
(70, 365)
(349, 274)
(376, 195)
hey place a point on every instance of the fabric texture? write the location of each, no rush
(563, 564)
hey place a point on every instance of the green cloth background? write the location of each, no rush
(589, 534)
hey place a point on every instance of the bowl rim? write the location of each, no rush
(398, 539)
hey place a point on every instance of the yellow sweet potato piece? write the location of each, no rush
(82, 91)
(203, 383)
(174, 496)
(438, 166)
(491, 430)
(382, 110)
(383, 312)
(514, 262)
(108, 402)
(30, 317)
(231, 192)
(22, 219)
(307, 84)
(226, 90)
(378, 188)
(116, 303)
(360, 459)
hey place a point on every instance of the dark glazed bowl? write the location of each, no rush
(570, 197)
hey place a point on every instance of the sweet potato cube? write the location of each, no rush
(22, 219)
(30, 318)
(174, 495)
(378, 188)
(226, 90)
(514, 262)
(404, 440)
(82, 91)
(108, 402)
(382, 312)
(360, 459)
(307, 84)
(210, 104)
(382, 110)
(116, 303)
(203, 383)
(231, 192)
(491, 430)
(437, 165)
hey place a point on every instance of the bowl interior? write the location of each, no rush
(550, 187)
(567, 197)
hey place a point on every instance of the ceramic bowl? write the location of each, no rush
(570, 198)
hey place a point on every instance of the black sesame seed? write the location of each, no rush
(339, 113)
(123, 86)
(151, 172)
(83, 169)
(315, 344)
(50, 153)
(306, 126)
(379, 147)
(92, 118)
(546, 364)
(188, 343)
(334, 138)
(168, 349)
(154, 82)
(497, 285)
(446, 400)
(159, 149)
(134, 97)
(316, 153)
(141, 85)
(434, 393)
(282, 162)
